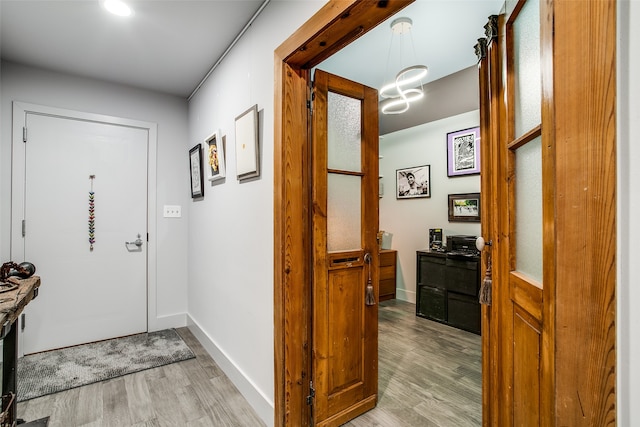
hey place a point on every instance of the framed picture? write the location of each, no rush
(413, 182)
(463, 152)
(464, 207)
(215, 156)
(247, 147)
(195, 167)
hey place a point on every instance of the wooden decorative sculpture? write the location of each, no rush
(22, 270)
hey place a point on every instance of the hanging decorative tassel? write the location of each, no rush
(92, 217)
(485, 287)
(369, 298)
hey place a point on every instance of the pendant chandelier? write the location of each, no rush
(406, 86)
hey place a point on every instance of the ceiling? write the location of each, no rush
(169, 46)
(166, 45)
(442, 37)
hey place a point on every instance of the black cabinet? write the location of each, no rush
(448, 287)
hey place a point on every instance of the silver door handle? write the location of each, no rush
(137, 242)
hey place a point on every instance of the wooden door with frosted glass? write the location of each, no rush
(345, 255)
(548, 136)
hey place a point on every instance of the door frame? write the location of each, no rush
(20, 110)
(334, 26)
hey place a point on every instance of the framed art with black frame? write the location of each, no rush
(464, 207)
(463, 152)
(195, 169)
(413, 182)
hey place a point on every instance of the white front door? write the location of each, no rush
(87, 294)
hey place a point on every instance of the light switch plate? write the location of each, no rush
(172, 211)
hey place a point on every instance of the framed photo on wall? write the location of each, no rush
(247, 146)
(195, 168)
(413, 182)
(464, 207)
(463, 152)
(215, 156)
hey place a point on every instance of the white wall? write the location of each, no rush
(231, 228)
(35, 86)
(628, 295)
(230, 249)
(409, 220)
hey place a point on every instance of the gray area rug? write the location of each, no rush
(53, 371)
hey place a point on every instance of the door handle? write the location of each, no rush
(480, 243)
(137, 242)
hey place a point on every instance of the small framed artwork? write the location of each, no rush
(464, 207)
(463, 152)
(413, 182)
(195, 167)
(215, 168)
(247, 147)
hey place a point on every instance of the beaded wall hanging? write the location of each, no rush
(92, 217)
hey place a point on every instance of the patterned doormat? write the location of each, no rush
(53, 371)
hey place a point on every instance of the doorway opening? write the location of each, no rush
(333, 27)
(295, 60)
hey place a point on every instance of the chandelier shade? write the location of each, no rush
(406, 87)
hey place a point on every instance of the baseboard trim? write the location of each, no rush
(404, 295)
(261, 403)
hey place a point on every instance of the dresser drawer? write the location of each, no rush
(387, 287)
(388, 272)
(387, 258)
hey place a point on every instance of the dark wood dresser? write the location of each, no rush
(448, 287)
(387, 288)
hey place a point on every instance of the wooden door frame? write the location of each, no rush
(580, 101)
(334, 26)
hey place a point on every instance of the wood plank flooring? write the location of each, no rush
(429, 373)
(192, 393)
(429, 376)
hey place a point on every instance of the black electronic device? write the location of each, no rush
(435, 239)
(462, 245)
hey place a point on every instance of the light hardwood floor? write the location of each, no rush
(429, 376)
(192, 393)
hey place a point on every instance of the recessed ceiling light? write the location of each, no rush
(117, 7)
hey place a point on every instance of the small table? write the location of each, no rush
(12, 303)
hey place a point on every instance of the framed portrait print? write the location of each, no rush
(463, 152)
(464, 207)
(215, 156)
(413, 182)
(247, 147)
(195, 167)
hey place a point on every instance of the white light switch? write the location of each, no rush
(172, 211)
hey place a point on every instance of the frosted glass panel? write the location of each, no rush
(529, 209)
(526, 41)
(343, 212)
(344, 133)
